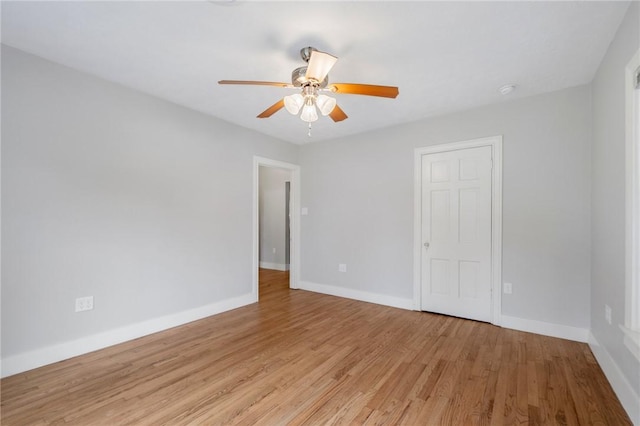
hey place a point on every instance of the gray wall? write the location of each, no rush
(272, 215)
(608, 196)
(107, 192)
(359, 192)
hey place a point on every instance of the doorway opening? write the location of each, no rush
(275, 219)
(273, 216)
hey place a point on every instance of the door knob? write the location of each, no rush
(426, 245)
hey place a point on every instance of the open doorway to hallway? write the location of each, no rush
(276, 219)
(274, 195)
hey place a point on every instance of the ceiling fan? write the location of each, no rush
(313, 80)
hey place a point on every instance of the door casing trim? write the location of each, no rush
(495, 142)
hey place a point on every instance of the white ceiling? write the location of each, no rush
(444, 56)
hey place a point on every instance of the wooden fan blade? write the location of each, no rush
(256, 83)
(319, 66)
(337, 114)
(272, 109)
(364, 89)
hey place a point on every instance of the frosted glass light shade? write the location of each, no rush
(326, 104)
(309, 113)
(293, 103)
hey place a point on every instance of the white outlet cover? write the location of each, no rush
(342, 267)
(84, 303)
(304, 211)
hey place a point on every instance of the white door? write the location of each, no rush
(456, 233)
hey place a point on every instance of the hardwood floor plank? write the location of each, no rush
(298, 357)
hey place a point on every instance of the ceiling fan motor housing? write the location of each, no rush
(299, 79)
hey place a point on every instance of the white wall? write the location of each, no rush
(608, 201)
(359, 192)
(272, 197)
(107, 192)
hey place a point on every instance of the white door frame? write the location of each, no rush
(294, 224)
(495, 142)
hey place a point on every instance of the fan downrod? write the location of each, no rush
(305, 53)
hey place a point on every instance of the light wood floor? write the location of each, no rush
(303, 358)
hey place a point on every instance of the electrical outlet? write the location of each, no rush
(84, 303)
(607, 313)
(274, 250)
(342, 267)
(507, 288)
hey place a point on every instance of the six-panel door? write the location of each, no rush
(456, 233)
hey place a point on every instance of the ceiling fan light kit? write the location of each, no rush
(312, 79)
(308, 101)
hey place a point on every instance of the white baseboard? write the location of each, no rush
(621, 386)
(364, 296)
(37, 358)
(276, 266)
(521, 324)
(545, 328)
